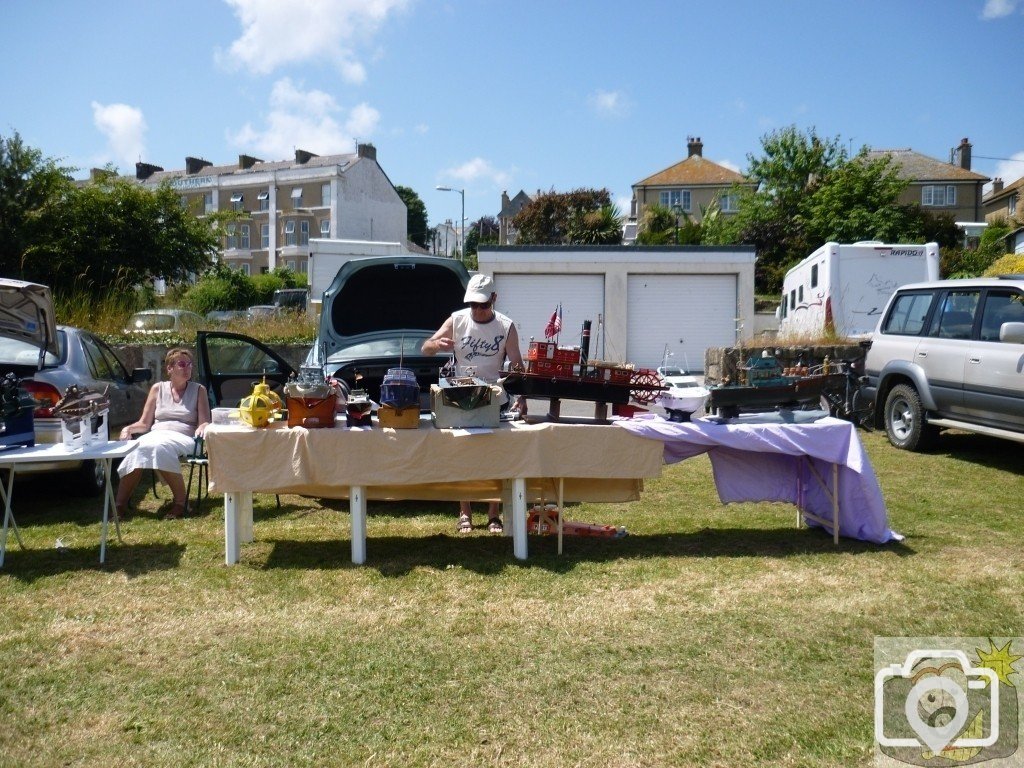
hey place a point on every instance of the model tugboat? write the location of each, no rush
(558, 372)
(764, 384)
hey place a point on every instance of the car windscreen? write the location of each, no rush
(14, 352)
(408, 345)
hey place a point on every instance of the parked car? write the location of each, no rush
(49, 358)
(225, 316)
(293, 299)
(260, 311)
(949, 354)
(162, 321)
(376, 315)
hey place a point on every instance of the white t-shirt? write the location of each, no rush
(480, 346)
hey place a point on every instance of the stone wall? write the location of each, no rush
(721, 363)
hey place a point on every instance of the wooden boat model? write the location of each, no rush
(764, 384)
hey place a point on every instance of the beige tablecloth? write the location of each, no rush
(599, 462)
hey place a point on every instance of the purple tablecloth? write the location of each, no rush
(755, 461)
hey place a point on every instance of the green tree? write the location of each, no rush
(600, 227)
(220, 288)
(547, 219)
(416, 216)
(116, 233)
(656, 226)
(29, 186)
(484, 231)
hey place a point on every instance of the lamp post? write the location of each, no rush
(462, 230)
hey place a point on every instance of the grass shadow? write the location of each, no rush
(985, 451)
(488, 555)
(30, 565)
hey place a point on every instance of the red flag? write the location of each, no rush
(554, 324)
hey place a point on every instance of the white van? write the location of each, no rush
(842, 289)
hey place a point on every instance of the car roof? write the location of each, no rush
(973, 282)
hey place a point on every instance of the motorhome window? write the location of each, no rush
(800, 294)
(792, 299)
(814, 276)
(908, 313)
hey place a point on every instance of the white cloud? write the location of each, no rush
(1008, 170)
(609, 103)
(478, 169)
(730, 165)
(310, 120)
(279, 32)
(997, 9)
(124, 128)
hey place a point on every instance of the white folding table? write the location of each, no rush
(104, 453)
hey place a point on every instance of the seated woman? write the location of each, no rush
(176, 412)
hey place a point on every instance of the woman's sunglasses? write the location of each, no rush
(182, 364)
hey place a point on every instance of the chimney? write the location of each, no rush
(997, 185)
(962, 155)
(195, 165)
(302, 156)
(367, 150)
(247, 161)
(694, 146)
(98, 174)
(145, 170)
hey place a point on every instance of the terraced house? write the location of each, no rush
(281, 204)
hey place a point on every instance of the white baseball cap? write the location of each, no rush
(479, 289)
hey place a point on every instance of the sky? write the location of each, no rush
(489, 95)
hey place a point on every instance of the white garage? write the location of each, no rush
(681, 315)
(689, 298)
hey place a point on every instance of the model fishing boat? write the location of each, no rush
(558, 372)
(763, 383)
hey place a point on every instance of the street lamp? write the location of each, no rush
(462, 229)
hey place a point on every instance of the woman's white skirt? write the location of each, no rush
(162, 449)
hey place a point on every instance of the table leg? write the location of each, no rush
(231, 543)
(519, 518)
(561, 513)
(357, 511)
(8, 516)
(108, 504)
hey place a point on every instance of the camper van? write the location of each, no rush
(842, 289)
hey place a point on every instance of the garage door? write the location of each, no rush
(684, 314)
(530, 299)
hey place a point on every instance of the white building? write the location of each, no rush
(282, 204)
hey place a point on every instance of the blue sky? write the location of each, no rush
(488, 95)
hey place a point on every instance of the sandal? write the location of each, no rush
(465, 524)
(176, 512)
(494, 525)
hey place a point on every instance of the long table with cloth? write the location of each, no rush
(805, 458)
(514, 463)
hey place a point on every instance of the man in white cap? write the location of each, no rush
(481, 339)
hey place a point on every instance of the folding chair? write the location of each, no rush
(200, 460)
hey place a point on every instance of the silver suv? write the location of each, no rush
(949, 354)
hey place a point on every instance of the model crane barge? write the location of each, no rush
(558, 372)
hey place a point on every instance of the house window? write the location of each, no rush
(302, 267)
(244, 269)
(289, 232)
(297, 197)
(264, 200)
(208, 202)
(1011, 205)
(938, 195)
(814, 276)
(303, 233)
(236, 201)
(325, 194)
(244, 238)
(676, 199)
(325, 228)
(232, 238)
(290, 265)
(264, 235)
(728, 202)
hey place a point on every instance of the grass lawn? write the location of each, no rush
(710, 636)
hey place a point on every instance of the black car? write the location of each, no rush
(376, 315)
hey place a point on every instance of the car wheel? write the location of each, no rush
(904, 419)
(89, 479)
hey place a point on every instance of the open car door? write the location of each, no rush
(230, 364)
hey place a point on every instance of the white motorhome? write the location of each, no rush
(842, 289)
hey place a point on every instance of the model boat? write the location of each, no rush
(763, 384)
(358, 409)
(558, 372)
